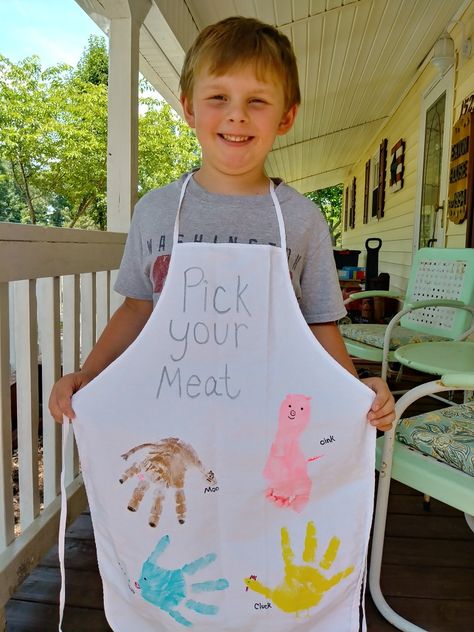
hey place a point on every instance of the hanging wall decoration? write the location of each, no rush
(346, 210)
(382, 174)
(366, 192)
(460, 169)
(352, 208)
(397, 166)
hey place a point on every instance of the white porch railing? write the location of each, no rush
(55, 299)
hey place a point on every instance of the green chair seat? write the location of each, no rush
(373, 335)
(446, 434)
(436, 479)
(431, 453)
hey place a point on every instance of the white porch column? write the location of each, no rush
(122, 157)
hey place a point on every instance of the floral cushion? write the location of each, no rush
(373, 335)
(446, 434)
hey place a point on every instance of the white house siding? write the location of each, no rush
(397, 226)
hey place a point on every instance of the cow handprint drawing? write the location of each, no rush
(163, 467)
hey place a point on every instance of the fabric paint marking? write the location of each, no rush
(286, 469)
(164, 467)
(222, 315)
(303, 586)
(167, 588)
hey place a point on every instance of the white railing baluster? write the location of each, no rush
(71, 323)
(26, 346)
(49, 337)
(71, 353)
(6, 492)
(88, 313)
(115, 298)
(103, 300)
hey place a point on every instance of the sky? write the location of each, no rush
(56, 30)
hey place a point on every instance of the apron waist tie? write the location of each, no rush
(62, 524)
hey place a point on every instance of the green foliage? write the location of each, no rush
(10, 197)
(27, 111)
(53, 135)
(79, 174)
(93, 66)
(167, 146)
(53, 141)
(329, 201)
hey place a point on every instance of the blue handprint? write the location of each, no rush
(167, 588)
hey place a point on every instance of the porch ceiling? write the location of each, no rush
(356, 60)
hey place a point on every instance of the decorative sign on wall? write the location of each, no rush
(346, 210)
(461, 167)
(397, 165)
(382, 174)
(366, 192)
(352, 208)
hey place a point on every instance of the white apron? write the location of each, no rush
(227, 458)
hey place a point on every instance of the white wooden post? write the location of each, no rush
(122, 163)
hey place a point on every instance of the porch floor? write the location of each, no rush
(427, 574)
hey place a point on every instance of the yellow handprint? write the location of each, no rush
(303, 586)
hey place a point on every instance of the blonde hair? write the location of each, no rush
(238, 41)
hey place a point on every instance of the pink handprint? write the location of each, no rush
(286, 469)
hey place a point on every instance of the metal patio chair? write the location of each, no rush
(432, 453)
(438, 306)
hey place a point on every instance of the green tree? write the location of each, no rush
(329, 201)
(93, 66)
(26, 114)
(167, 146)
(11, 204)
(53, 141)
(79, 172)
(53, 136)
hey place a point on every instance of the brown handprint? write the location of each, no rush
(303, 586)
(163, 468)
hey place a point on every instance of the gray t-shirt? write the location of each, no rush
(215, 218)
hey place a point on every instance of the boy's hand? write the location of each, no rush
(382, 413)
(60, 398)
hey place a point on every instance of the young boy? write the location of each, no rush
(239, 90)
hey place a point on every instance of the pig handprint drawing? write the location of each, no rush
(286, 469)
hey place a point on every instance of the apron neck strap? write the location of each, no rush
(180, 204)
(279, 214)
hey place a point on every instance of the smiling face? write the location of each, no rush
(294, 414)
(237, 116)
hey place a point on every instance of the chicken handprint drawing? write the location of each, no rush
(303, 586)
(286, 469)
(163, 467)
